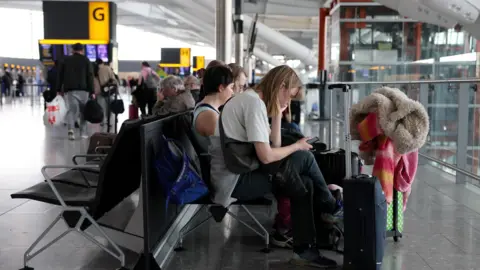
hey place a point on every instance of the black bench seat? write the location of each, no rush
(82, 205)
(257, 202)
(71, 195)
(84, 177)
(155, 204)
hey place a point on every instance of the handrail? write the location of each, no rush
(452, 167)
(468, 80)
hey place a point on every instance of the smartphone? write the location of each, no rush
(313, 140)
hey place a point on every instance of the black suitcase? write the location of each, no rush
(365, 221)
(332, 165)
(364, 210)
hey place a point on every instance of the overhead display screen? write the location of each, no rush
(102, 53)
(175, 57)
(46, 53)
(52, 52)
(91, 52)
(198, 62)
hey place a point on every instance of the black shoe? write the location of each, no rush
(311, 257)
(77, 125)
(282, 240)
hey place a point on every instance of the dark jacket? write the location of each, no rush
(75, 73)
(52, 78)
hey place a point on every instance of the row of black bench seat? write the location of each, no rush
(157, 216)
(89, 191)
(109, 183)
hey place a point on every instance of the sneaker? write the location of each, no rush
(338, 213)
(311, 257)
(71, 135)
(282, 240)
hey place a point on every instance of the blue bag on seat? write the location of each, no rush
(178, 177)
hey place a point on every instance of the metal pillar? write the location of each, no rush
(423, 99)
(238, 27)
(223, 30)
(462, 130)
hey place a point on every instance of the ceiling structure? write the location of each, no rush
(193, 21)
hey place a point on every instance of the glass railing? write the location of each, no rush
(453, 107)
(400, 71)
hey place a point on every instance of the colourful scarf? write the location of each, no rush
(373, 140)
(392, 169)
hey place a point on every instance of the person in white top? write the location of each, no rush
(245, 119)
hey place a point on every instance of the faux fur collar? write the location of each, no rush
(402, 119)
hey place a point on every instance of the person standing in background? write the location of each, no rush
(7, 81)
(240, 78)
(192, 84)
(146, 93)
(75, 75)
(106, 79)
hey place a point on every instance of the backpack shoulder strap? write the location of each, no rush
(205, 105)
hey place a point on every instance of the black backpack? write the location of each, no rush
(49, 95)
(93, 112)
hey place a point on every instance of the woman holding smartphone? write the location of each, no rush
(245, 119)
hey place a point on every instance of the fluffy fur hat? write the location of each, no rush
(403, 120)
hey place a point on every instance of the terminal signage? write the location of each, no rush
(99, 21)
(185, 57)
(198, 62)
(175, 57)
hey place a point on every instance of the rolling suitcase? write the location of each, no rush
(332, 165)
(395, 216)
(100, 139)
(132, 112)
(365, 209)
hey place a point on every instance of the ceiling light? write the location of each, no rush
(200, 43)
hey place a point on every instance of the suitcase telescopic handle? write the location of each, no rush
(346, 124)
(344, 87)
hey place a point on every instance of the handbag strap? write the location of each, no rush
(223, 137)
(221, 131)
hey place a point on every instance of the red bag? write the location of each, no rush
(132, 112)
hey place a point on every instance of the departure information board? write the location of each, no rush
(175, 57)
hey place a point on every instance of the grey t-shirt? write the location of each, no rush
(244, 119)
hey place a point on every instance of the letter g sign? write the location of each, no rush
(99, 14)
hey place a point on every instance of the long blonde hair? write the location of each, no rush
(277, 78)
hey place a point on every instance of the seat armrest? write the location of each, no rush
(75, 157)
(101, 147)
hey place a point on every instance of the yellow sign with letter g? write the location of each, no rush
(99, 21)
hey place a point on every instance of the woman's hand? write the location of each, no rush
(302, 144)
(160, 96)
(280, 109)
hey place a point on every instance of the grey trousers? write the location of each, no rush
(76, 101)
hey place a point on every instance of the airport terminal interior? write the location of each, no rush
(111, 208)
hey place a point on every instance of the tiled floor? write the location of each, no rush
(442, 222)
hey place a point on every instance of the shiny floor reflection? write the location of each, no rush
(442, 222)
